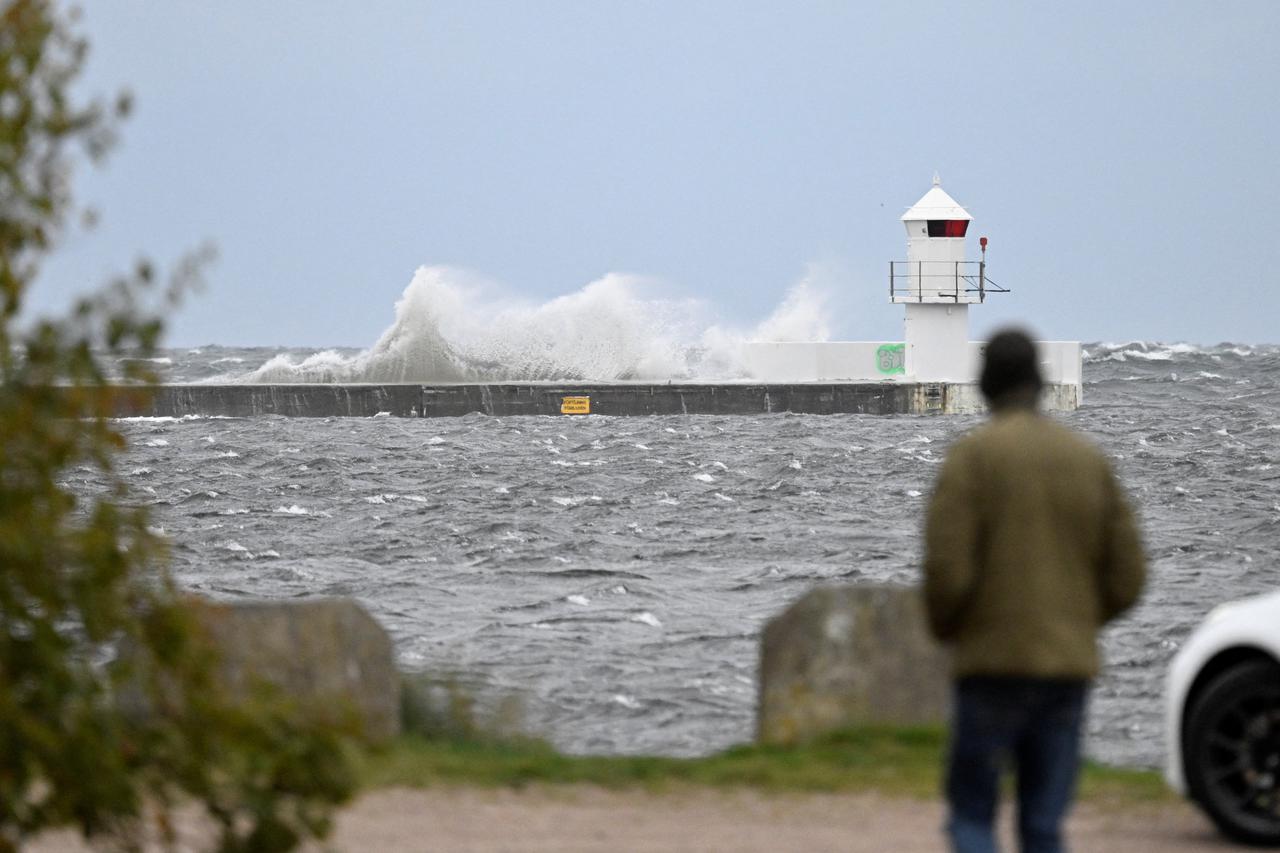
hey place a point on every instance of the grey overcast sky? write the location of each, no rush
(1122, 157)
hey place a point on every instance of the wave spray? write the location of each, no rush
(451, 326)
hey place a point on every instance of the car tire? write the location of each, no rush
(1232, 752)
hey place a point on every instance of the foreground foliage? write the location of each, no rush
(80, 577)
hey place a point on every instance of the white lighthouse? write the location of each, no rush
(937, 285)
(935, 369)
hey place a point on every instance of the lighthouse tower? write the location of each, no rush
(937, 286)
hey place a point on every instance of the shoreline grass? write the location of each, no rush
(904, 762)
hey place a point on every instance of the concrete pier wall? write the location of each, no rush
(505, 399)
(876, 361)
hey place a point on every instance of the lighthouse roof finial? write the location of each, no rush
(937, 179)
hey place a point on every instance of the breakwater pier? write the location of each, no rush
(317, 400)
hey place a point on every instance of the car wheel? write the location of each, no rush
(1233, 752)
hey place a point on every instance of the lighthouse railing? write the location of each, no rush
(940, 281)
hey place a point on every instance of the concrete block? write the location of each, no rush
(328, 654)
(845, 656)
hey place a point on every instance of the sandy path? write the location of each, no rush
(590, 819)
(574, 819)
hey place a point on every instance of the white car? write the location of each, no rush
(1222, 719)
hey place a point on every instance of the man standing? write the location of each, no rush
(1030, 548)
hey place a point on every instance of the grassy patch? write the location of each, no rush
(894, 761)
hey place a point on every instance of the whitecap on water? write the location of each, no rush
(725, 498)
(647, 618)
(704, 478)
(293, 510)
(580, 600)
(625, 701)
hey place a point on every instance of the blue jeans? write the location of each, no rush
(1031, 723)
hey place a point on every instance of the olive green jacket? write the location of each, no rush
(1030, 547)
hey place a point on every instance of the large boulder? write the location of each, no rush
(844, 656)
(328, 654)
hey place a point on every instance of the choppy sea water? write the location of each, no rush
(616, 572)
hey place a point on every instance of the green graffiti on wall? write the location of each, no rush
(891, 359)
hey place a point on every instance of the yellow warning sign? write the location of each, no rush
(575, 405)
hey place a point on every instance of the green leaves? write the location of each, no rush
(87, 740)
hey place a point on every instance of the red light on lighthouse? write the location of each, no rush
(982, 241)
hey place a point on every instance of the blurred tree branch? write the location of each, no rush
(81, 577)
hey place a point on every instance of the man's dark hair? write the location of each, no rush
(1009, 363)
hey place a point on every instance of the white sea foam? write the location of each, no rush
(647, 618)
(451, 325)
(160, 419)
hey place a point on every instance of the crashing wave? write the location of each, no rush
(451, 327)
